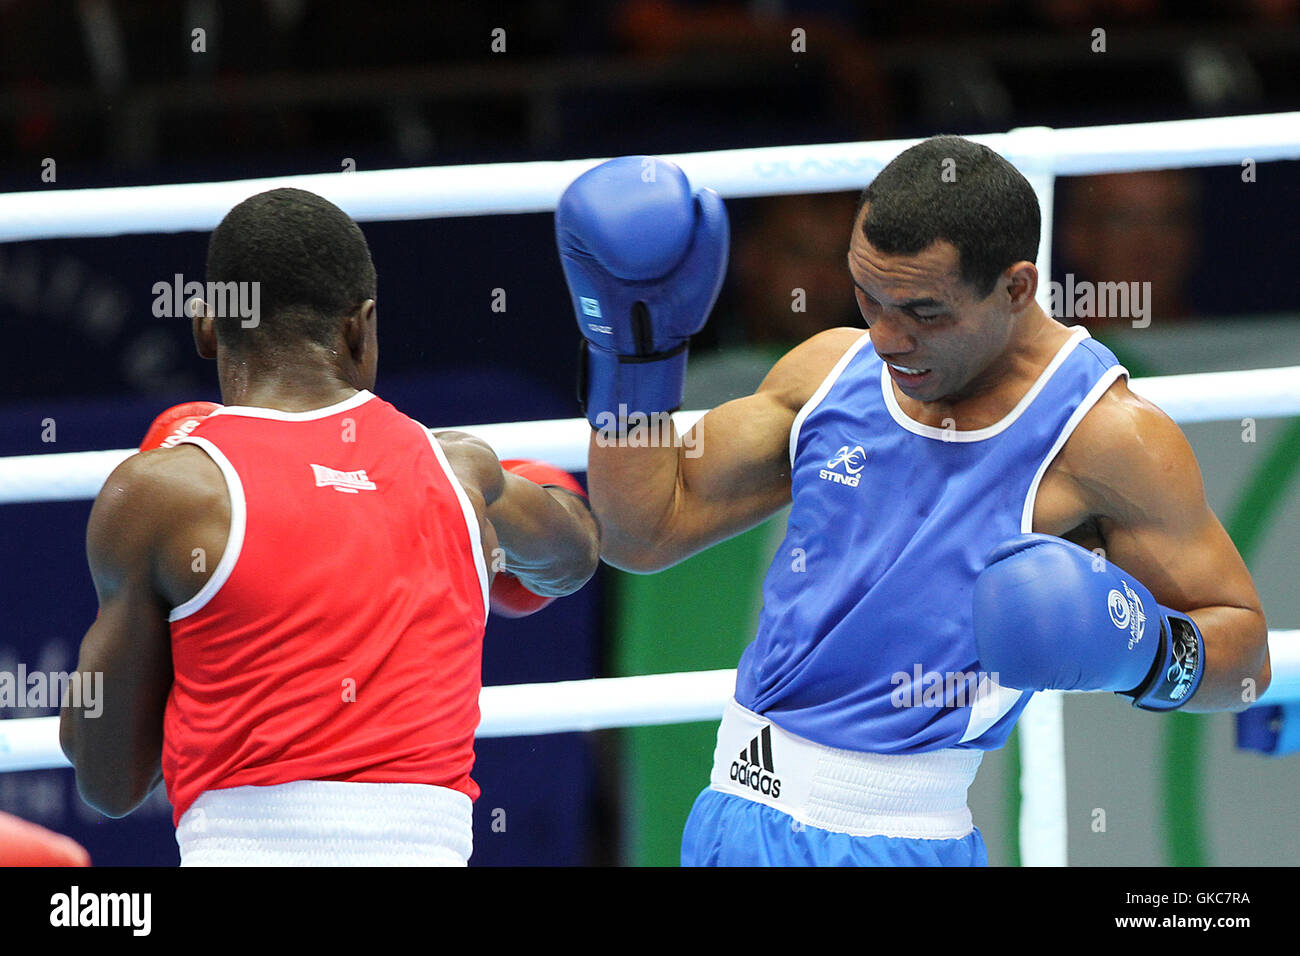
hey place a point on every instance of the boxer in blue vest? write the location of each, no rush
(980, 507)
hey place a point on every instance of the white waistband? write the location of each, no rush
(916, 796)
(328, 823)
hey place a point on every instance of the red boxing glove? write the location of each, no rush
(175, 423)
(509, 597)
(540, 473)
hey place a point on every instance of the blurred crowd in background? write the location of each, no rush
(126, 83)
(131, 92)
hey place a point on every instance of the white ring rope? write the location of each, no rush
(1198, 397)
(501, 188)
(605, 703)
(498, 188)
(32, 743)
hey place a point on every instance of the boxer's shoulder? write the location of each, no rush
(154, 481)
(153, 500)
(475, 463)
(184, 475)
(1127, 451)
(799, 373)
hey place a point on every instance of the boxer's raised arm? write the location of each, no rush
(644, 254)
(547, 534)
(659, 505)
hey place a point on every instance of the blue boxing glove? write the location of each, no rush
(1052, 615)
(644, 258)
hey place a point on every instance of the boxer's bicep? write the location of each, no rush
(114, 736)
(731, 471)
(660, 503)
(476, 467)
(1145, 487)
(743, 470)
(740, 475)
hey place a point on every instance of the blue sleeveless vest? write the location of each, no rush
(865, 640)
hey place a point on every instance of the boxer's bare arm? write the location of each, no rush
(549, 536)
(118, 752)
(1139, 479)
(659, 505)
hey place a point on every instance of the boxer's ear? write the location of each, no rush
(203, 330)
(361, 338)
(1021, 284)
(356, 329)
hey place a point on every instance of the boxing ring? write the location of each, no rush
(1042, 154)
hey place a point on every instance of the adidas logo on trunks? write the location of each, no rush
(753, 768)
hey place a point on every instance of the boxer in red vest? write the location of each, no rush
(293, 585)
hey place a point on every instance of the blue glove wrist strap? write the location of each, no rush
(613, 387)
(1178, 667)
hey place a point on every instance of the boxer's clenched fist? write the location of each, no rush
(644, 256)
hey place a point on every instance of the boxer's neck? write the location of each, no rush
(314, 380)
(998, 388)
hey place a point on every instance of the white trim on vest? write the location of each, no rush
(234, 539)
(253, 411)
(822, 391)
(471, 519)
(1078, 334)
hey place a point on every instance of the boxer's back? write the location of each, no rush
(339, 635)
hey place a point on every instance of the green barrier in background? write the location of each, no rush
(698, 615)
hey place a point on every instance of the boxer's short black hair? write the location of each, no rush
(950, 188)
(309, 258)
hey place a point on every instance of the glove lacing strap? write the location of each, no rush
(584, 375)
